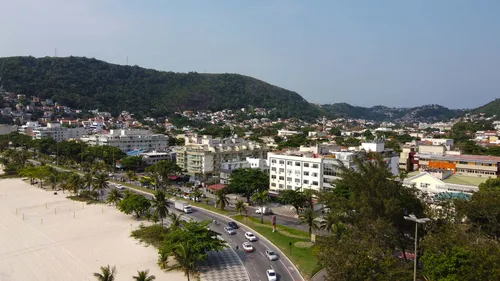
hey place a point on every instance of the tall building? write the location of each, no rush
(56, 132)
(128, 140)
(202, 156)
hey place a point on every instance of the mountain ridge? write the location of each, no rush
(88, 83)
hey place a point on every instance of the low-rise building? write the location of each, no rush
(151, 158)
(432, 183)
(466, 165)
(58, 132)
(227, 168)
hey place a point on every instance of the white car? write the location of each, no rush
(271, 255)
(250, 236)
(229, 230)
(271, 275)
(248, 247)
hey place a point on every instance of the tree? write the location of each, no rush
(144, 276)
(133, 162)
(221, 198)
(107, 273)
(309, 217)
(88, 179)
(293, 197)
(130, 175)
(239, 206)
(197, 194)
(261, 198)
(76, 183)
(189, 246)
(134, 203)
(100, 182)
(248, 181)
(114, 197)
(160, 205)
(53, 180)
(161, 172)
(175, 220)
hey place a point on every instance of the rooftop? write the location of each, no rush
(464, 180)
(465, 157)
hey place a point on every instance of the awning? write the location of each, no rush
(217, 186)
(173, 178)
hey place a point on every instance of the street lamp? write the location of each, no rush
(413, 218)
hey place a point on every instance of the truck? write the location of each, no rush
(183, 206)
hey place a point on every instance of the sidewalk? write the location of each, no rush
(320, 276)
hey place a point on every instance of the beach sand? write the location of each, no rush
(49, 237)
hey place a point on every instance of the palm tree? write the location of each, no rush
(144, 276)
(160, 205)
(309, 218)
(197, 195)
(176, 220)
(329, 221)
(76, 183)
(53, 180)
(130, 175)
(100, 182)
(221, 198)
(88, 179)
(107, 273)
(186, 261)
(114, 197)
(261, 198)
(239, 206)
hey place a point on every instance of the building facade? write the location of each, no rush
(57, 132)
(128, 140)
(465, 165)
(227, 168)
(203, 156)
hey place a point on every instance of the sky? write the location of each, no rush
(386, 52)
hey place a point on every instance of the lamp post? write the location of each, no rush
(413, 218)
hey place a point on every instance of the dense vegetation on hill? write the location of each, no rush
(90, 83)
(492, 108)
(383, 113)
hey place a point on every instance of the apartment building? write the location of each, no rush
(151, 158)
(227, 168)
(56, 132)
(465, 165)
(128, 140)
(202, 156)
(298, 170)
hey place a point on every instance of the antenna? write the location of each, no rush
(126, 60)
(55, 52)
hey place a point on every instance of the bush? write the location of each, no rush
(151, 235)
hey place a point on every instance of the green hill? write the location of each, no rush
(87, 83)
(492, 108)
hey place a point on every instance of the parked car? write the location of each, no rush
(230, 230)
(250, 236)
(271, 275)
(271, 255)
(248, 247)
(232, 225)
(265, 210)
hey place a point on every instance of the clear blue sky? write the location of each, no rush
(394, 53)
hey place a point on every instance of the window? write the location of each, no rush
(273, 169)
(282, 161)
(289, 163)
(306, 173)
(297, 164)
(281, 186)
(281, 178)
(315, 183)
(297, 180)
(306, 182)
(306, 165)
(288, 179)
(282, 170)
(273, 161)
(273, 177)
(315, 166)
(273, 184)
(424, 185)
(314, 174)
(288, 187)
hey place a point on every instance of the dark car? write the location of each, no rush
(232, 225)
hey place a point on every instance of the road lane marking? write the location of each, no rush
(262, 254)
(287, 269)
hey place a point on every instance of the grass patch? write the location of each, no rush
(9, 176)
(288, 231)
(303, 258)
(151, 235)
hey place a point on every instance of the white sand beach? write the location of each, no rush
(53, 238)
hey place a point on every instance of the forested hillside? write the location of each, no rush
(90, 83)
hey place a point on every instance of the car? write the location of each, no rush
(250, 236)
(248, 247)
(271, 255)
(230, 230)
(271, 275)
(232, 225)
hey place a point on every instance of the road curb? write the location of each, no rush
(260, 236)
(318, 273)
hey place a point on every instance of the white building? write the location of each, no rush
(286, 133)
(227, 168)
(151, 158)
(305, 170)
(58, 132)
(204, 155)
(128, 140)
(431, 183)
(389, 155)
(448, 143)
